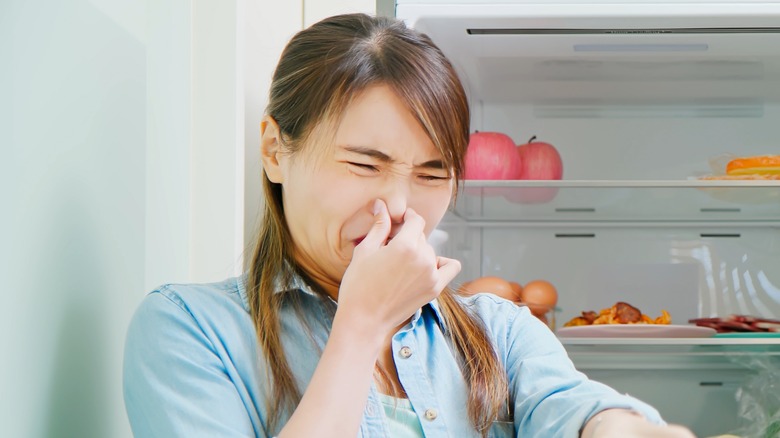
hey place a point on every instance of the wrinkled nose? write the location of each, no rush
(397, 200)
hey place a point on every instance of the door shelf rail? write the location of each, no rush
(672, 353)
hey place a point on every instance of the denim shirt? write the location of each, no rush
(193, 368)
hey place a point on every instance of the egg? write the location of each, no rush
(517, 288)
(490, 284)
(540, 296)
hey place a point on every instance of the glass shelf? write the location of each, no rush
(746, 343)
(605, 202)
(671, 353)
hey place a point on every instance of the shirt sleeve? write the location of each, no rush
(551, 398)
(175, 384)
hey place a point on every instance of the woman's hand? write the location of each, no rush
(620, 423)
(388, 280)
(382, 286)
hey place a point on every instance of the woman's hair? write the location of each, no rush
(320, 71)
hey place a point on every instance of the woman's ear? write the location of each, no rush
(270, 149)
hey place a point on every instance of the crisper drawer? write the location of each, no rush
(702, 400)
(712, 385)
(690, 271)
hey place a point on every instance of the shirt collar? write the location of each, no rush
(297, 283)
(436, 307)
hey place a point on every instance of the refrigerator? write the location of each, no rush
(645, 101)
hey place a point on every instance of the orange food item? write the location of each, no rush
(540, 296)
(491, 284)
(665, 318)
(756, 165)
(620, 313)
(577, 320)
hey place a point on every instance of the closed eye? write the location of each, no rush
(434, 178)
(364, 167)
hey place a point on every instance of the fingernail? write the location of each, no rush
(377, 206)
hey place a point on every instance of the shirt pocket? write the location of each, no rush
(502, 429)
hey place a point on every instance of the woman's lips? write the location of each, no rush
(360, 239)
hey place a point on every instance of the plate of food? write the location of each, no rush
(741, 325)
(635, 331)
(623, 320)
(763, 170)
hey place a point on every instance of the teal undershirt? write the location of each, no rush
(401, 418)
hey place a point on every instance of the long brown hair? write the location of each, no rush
(321, 69)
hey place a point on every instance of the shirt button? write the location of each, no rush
(431, 414)
(405, 352)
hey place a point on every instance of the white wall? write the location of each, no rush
(266, 31)
(129, 133)
(73, 213)
(315, 10)
(195, 147)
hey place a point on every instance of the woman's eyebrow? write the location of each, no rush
(373, 153)
(432, 164)
(381, 156)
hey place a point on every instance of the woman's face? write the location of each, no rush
(379, 151)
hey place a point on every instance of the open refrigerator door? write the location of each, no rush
(646, 104)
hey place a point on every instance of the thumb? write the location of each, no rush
(448, 269)
(377, 235)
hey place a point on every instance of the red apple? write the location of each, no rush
(492, 156)
(538, 161)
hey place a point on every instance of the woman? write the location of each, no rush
(344, 324)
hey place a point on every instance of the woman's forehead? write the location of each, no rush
(378, 118)
(376, 122)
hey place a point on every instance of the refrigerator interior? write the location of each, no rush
(637, 114)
